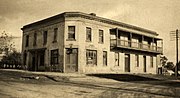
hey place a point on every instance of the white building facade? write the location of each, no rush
(86, 43)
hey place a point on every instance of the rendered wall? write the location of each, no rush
(50, 44)
(82, 45)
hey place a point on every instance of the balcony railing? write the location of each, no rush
(135, 45)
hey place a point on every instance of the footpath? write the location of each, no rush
(158, 86)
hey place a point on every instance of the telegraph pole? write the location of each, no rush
(176, 69)
(176, 35)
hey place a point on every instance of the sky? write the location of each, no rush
(161, 16)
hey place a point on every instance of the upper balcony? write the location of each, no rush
(133, 41)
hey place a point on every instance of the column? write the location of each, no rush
(117, 34)
(141, 44)
(130, 42)
(153, 47)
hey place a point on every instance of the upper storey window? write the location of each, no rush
(71, 32)
(35, 39)
(27, 40)
(101, 38)
(45, 37)
(55, 34)
(88, 34)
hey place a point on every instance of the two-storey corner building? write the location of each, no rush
(86, 43)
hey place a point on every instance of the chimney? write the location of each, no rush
(93, 14)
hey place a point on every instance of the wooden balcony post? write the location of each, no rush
(141, 46)
(117, 34)
(130, 43)
(153, 44)
(161, 45)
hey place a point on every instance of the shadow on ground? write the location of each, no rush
(123, 77)
(137, 79)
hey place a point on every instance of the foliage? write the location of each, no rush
(170, 66)
(5, 44)
(3, 40)
(163, 60)
(12, 58)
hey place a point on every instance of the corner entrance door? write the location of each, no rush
(144, 63)
(127, 63)
(71, 60)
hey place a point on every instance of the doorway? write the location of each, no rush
(127, 62)
(34, 64)
(37, 62)
(71, 60)
(144, 62)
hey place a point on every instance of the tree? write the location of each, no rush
(170, 66)
(12, 58)
(163, 60)
(5, 43)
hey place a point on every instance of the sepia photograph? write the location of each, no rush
(89, 49)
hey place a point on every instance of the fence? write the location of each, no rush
(10, 65)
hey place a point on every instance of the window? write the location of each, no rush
(116, 59)
(55, 34)
(136, 60)
(27, 40)
(91, 57)
(88, 34)
(35, 39)
(151, 61)
(71, 32)
(45, 37)
(105, 58)
(54, 57)
(25, 58)
(101, 39)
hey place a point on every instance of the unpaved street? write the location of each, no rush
(24, 85)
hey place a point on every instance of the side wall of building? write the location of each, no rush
(50, 45)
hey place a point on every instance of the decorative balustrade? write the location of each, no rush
(135, 45)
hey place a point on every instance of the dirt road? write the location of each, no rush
(22, 85)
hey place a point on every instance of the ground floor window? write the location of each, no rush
(54, 56)
(105, 58)
(91, 57)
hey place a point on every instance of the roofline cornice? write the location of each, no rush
(90, 17)
(109, 21)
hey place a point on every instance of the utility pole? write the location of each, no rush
(176, 69)
(176, 35)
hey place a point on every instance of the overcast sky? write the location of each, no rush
(161, 16)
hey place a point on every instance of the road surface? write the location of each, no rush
(28, 85)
